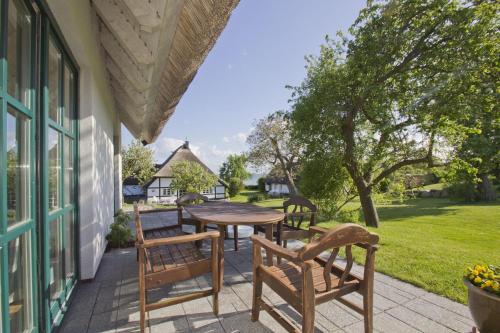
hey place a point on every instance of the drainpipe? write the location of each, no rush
(117, 161)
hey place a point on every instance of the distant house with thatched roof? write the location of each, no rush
(158, 188)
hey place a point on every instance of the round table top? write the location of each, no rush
(233, 213)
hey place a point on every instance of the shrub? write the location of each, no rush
(235, 186)
(463, 191)
(348, 216)
(256, 197)
(261, 184)
(120, 233)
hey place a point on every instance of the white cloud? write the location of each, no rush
(242, 137)
(225, 139)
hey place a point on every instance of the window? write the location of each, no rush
(167, 192)
(208, 191)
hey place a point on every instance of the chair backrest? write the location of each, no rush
(139, 235)
(344, 235)
(297, 210)
(186, 199)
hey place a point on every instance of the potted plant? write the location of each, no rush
(483, 283)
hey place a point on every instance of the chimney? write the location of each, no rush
(186, 145)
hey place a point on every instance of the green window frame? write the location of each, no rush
(25, 229)
(45, 313)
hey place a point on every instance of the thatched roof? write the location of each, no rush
(183, 153)
(153, 49)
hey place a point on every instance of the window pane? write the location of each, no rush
(68, 97)
(54, 76)
(69, 248)
(19, 51)
(68, 170)
(18, 167)
(20, 284)
(54, 168)
(56, 255)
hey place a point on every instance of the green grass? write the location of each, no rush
(429, 242)
(243, 197)
(437, 186)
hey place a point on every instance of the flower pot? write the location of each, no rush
(485, 309)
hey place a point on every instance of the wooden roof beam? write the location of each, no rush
(148, 18)
(124, 31)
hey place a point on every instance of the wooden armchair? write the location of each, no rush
(299, 211)
(305, 279)
(193, 198)
(166, 256)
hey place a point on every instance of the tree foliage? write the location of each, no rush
(234, 167)
(271, 144)
(400, 90)
(191, 177)
(138, 162)
(235, 186)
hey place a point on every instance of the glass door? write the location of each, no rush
(38, 154)
(17, 173)
(58, 179)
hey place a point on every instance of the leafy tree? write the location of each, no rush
(235, 186)
(261, 184)
(403, 85)
(137, 162)
(271, 144)
(234, 167)
(191, 177)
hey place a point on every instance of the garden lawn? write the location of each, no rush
(430, 242)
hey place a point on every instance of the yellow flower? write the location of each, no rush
(477, 279)
(475, 272)
(488, 283)
(471, 277)
(496, 287)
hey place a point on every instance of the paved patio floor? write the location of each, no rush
(110, 302)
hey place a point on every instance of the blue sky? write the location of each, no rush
(243, 78)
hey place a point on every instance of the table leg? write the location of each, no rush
(222, 230)
(278, 238)
(269, 235)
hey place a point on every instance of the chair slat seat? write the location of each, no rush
(290, 276)
(166, 257)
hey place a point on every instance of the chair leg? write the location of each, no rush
(308, 300)
(368, 311)
(142, 293)
(235, 234)
(255, 230)
(257, 294)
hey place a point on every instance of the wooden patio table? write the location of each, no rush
(223, 214)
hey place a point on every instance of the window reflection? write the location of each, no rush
(68, 97)
(54, 78)
(56, 255)
(20, 284)
(18, 167)
(68, 170)
(54, 168)
(69, 248)
(19, 51)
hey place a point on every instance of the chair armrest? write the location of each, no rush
(317, 230)
(276, 249)
(180, 239)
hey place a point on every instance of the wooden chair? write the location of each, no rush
(305, 279)
(166, 256)
(298, 212)
(193, 198)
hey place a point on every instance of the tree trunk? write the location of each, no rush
(369, 210)
(291, 183)
(486, 189)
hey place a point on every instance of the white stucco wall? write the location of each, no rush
(97, 118)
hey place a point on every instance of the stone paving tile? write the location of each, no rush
(110, 302)
(417, 321)
(440, 315)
